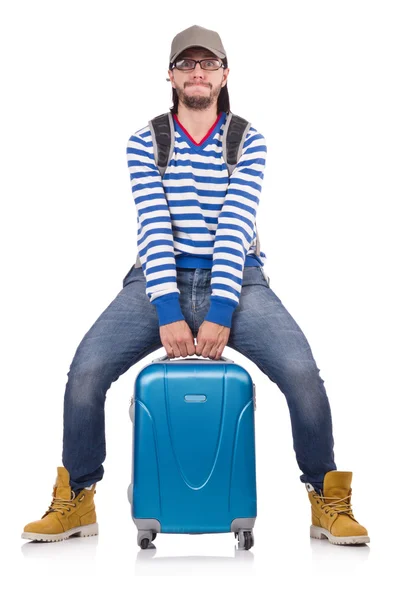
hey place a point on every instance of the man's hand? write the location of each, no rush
(177, 339)
(211, 340)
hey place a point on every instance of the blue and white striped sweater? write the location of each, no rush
(196, 216)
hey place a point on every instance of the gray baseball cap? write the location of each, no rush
(197, 36)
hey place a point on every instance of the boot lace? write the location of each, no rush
(60, 504)
(337, 505)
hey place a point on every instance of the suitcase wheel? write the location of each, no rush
(144, 543)
(145, 538)
(245, 539)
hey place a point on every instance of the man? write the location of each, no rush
(199, 278)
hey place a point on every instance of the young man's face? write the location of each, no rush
(198, 89)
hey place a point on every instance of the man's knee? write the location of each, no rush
(86, 380)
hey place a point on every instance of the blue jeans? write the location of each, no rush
(127, 331)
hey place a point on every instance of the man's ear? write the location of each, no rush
(225, 76)
(170, 76)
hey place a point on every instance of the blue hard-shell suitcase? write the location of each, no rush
(193, 466)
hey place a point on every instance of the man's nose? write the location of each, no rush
(199, 66)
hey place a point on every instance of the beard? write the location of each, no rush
(198, 101)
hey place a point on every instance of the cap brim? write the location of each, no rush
(216, 52)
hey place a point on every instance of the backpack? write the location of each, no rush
(163, 132)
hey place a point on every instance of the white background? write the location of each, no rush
(317, 79)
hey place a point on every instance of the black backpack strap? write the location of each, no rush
(163, 133)
(234, 134)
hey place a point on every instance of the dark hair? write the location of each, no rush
(223, 98)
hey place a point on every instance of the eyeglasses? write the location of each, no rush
(188, 64)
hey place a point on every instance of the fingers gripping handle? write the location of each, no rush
(166, 358)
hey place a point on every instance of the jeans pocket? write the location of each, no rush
(266, 278)
(254, 276)
(125, 280)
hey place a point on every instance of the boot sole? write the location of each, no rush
(83, 531)
(320, 533)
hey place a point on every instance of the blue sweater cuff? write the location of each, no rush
(221, 311)
(168, 309)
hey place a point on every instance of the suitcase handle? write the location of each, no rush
(202, 359)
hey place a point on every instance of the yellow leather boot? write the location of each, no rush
(67, 515)
(332, 514)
